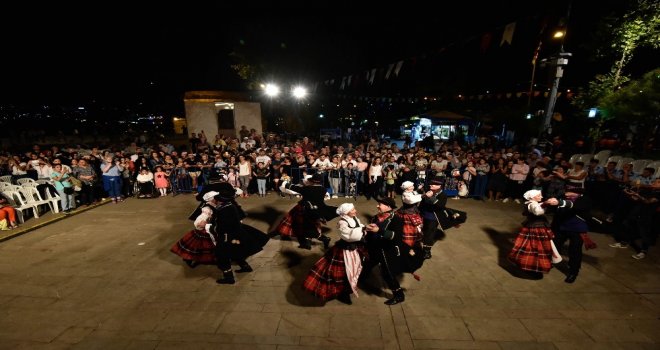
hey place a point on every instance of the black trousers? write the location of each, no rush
(574, 248)
(429, 230)
(223, 256)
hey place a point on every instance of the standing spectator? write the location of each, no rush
(262, 174)
(87, 176)
(112, 181)
(244, 174)
(160, 178)
(64, 188)
(517, 178)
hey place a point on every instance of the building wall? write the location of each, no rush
(202, 114)
(248, 114)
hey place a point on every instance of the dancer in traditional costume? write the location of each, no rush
(533, 249)
(198, 246)
(570, 223)
(235, 241)
(388, 248)
(336, 274)
(304, 220)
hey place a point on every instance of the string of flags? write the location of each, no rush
(393, 70)
(491, 96)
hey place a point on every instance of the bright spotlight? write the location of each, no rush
(299, 92)
(558, 34)
(272, 90)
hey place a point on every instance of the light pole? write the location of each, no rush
(557, 63)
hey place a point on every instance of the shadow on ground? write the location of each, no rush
(298, 265)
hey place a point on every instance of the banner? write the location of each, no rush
(507, 36)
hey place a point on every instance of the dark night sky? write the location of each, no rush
(64, 54)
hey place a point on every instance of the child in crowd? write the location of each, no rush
(390, 179)
(161, 181)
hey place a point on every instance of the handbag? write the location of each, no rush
(69, 190)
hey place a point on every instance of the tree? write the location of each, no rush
(637, 28)
(637, 103)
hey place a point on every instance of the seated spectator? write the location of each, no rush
(145, 183)
(7, 212)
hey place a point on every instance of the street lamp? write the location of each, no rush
(272, 90)
(299, 92)
(557, 63)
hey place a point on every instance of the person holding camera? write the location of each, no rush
(63, 187)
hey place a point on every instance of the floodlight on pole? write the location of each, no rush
(272, 90)
(299, 92)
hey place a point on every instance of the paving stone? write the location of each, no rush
(497, 329)
(70, 285)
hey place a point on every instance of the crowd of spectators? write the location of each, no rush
(259, 163)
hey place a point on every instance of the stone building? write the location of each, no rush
(221, 112)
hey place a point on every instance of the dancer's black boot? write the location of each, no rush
(398, 297)
(326, 241)
(227, 278)
(245, 267)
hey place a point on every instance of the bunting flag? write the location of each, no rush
(367, 76)
(398, 68)
(349, 80)
(332, 82)
(508, 95)
(389, 70)
(343, 83)
(316, 86)
(373, 75)
(507, 36)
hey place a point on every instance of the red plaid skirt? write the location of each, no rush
(410, 233)
(196, 246)
(532, 250)
(294, 225)
(327, 278)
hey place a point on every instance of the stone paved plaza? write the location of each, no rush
(105, 279)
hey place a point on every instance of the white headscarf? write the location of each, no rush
(411, 198)
(345, 208)
(407, 184)
(209, 195)
(531, 194)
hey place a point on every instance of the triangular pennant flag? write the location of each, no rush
(389, 70)
(373, 75)
(507, 36)
(316, 86)
(508, 95)
(367, 76)
(537, 93)
(398, 68)
(332, 82)
(349, 80)
(343, 83)
(545, 94)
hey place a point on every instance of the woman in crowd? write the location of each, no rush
(64, 188)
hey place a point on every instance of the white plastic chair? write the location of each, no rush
(32, 196)
(5, 178)
(574, 158)
(655, 165)
(622, 161)
(6, 186)
(639, 165)
(614, 159)
(18, 203)
(602, 157)
(585, 158)
(25, 180)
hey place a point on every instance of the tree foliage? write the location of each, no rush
(638, 101)
(639, 27)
